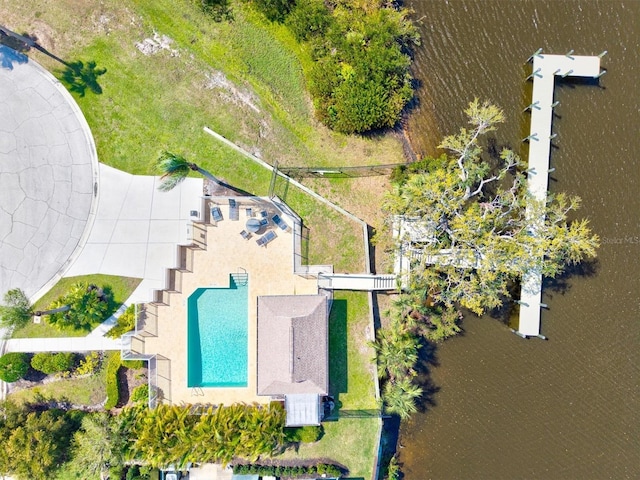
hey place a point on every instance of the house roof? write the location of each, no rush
(293, 345)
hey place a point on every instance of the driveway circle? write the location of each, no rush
(48, 176)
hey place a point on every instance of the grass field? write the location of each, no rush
(120, 287)
(162, 101)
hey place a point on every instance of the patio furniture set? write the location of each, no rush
(253, 224)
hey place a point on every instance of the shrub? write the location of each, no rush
(82, 307)
(89, 365)
(133, 364)
(308, 434)
(113, 386)
(13, 366)
(309, 18)
(274, 10)
(53, 362)
(140, 394)
(125, 323)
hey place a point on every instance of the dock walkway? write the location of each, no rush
(545, 70)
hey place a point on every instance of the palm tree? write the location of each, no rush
(175, 168)
(401, 397)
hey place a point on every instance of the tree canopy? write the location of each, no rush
(360, 79)
(16, 310)
(474, 207)
(33, 444)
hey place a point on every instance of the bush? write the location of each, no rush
(113, 386)
(89, 365)
(308, 434)
(309, 18)
(133, 364)
(53, 362)
(288, 471)
(140, 394)
(274, 10)
(125, 323)
(81, 308)
(13, 366)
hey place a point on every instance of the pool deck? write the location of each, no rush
(270, 270)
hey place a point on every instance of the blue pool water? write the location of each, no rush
(217, 337)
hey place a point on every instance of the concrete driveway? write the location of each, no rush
(48, 172)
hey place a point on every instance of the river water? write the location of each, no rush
(508, 408)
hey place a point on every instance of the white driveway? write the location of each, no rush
(137, 229)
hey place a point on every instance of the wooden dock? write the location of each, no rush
(545, 70)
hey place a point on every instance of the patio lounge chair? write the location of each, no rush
(279, 222)
(216, 214)
(234, 211)
(264, 222)
(246, 235)
(266, 238)
(249, 211)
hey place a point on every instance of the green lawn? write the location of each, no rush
(162, 101)
(349, 442)
(351, 369)
(89, 390)
(120, 287)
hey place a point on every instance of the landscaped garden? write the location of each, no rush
(115, 289)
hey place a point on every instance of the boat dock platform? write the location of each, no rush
(545, 70)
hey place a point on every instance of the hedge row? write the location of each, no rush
(50, 363)
(113, 386)
(288, 471)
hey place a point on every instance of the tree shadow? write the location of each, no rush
(9, 57)
(427, 360)
(218, 10)
(561, 284)
(80, 76)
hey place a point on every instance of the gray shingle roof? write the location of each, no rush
(293, 345)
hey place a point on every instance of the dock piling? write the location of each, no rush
(568, 54)
(552, 136)
(567, 73)
(601, 73)
(536, 54)
(602, 54)
(555, 104)
(533, 136)
(535, 74)
(551, 170)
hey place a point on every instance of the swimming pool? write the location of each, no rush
(217, 340)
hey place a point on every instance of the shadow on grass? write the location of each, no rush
(80, 76)
(338, 354)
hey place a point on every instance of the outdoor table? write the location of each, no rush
(253, 225)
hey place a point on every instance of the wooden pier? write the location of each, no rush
(545, 70)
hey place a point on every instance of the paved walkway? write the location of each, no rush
(48, 168)
(137, 229)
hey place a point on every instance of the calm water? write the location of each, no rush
(567, 408)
